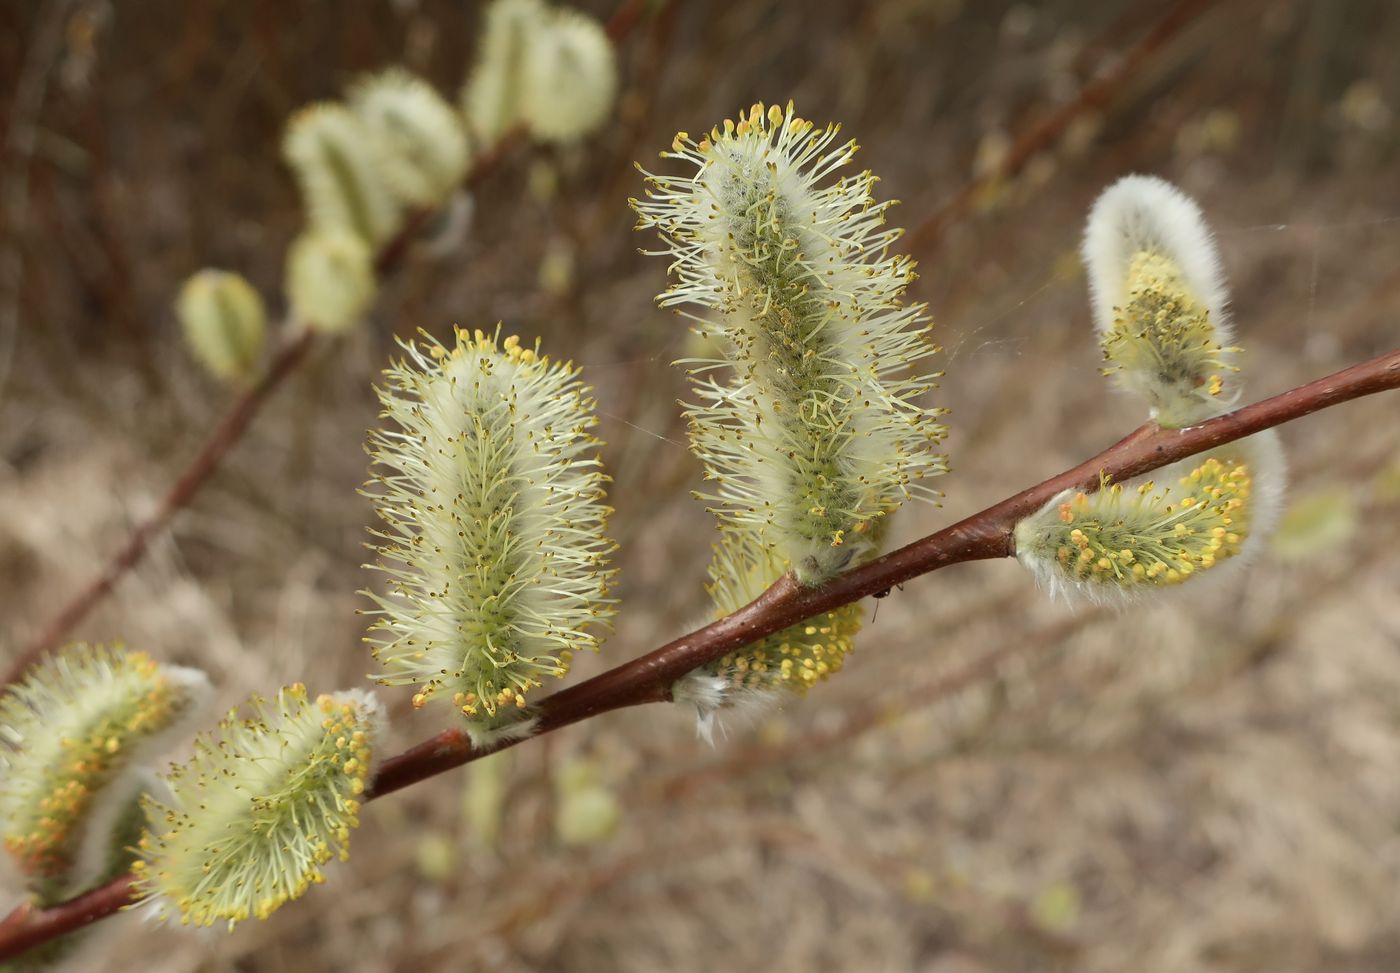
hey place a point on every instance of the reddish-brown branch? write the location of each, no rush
(648, 679)
(223, 438)
(1046, 131)
(981, 536)
(624, 18)
(27, 927)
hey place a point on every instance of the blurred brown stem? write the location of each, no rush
(223, 438)
(648, 679)
(235, 422)
(1048, 129)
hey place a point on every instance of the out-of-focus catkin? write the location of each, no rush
(417, 138)
(330, 279)
(71, 731)
(333, 155)
(550, 71)
(570, 81)
(224, 323)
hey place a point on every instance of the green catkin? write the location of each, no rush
(1136, 538)
(491, 492)
(551, 71)
(1159, 303)
(224, 323)
(331, 152)
(417, 138)
(809, 420)
(794, 659)
(809, 425)
(330, 279)
(71, 732)
(1164, 344)
(260, 807)
(491, 98)
(570, 80)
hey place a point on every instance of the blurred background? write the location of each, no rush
(995, 782)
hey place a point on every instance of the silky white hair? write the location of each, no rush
(1140, 213)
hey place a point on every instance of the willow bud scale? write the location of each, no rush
(492, 495)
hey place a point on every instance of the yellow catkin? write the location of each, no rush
(1117, 538)
(71, 726)
(261, 807)
(1164, 343)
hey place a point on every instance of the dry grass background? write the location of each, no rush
(995, 783)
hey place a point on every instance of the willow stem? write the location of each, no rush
(235, 422)
(648, 679)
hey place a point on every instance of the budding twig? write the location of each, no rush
(1047, 130)
(984, 535)
(240, 414)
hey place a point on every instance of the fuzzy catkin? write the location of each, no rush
(71, 732)
(260, 807)
(570, 80)
(330, 279)
(794, 659)
(331, 152)
(1159, 308)
(491, 492)
(1189, 518)
(417, 138)
(224, 322)
(549, 70)
(492, 95)
(1159, 300)
(809, 423)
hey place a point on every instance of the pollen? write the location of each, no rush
(263, 804)
(1131, 538)
(70, 728)
(493, 550)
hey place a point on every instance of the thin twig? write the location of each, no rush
(235, 422)
(648, 679)
(1047, 130)
(223, 438)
